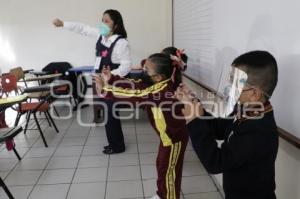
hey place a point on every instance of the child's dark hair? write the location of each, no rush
(165, 66)
(261, 68)
(172, 51)
(116, 17)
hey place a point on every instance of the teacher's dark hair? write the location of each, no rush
(116, 17)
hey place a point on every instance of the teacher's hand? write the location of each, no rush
(58, 23)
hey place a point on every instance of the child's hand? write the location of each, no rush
(106, 73)
(99, 82)
(184, 94)
(192, 106)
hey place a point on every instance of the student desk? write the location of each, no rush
(10, 101)
(43, 78)
(44, 87)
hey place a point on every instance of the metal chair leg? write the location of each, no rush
(55, 110)
(51, 119)
(17, 154)
(27, 121)
(40, 130)
(17, 119)
(46, 116)
(3, 185)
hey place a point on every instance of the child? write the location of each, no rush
(247, 156)
(162, 75)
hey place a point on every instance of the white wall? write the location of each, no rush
(288, 171)
(287, 163)
(28, 38)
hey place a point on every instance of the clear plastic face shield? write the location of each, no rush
(233, 85)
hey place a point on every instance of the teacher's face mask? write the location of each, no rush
(104, 29)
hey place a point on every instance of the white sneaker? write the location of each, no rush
(155, 197)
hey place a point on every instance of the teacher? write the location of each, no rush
(112, 49)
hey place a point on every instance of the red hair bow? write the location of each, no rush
(178, 63)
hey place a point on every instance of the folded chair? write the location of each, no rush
(19, 74)
(29, 108)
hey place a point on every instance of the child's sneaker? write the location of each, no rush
(155, 197)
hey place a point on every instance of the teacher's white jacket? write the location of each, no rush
(120, 54)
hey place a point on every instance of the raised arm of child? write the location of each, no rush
(123, 89)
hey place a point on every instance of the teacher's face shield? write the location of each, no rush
(234, 82)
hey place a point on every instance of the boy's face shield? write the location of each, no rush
(234, 83)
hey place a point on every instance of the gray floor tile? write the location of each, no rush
(32, 164)
(93, 161)
(63, 163)
(147, 158)
(57, 176)
(209, 195)
(193, 169)
(23, 177)
(90, 175)
(19, 192)
(124, 160)
(149, 172)
(68, 151)
(126, 189)
(197, 184)
(87, 190)
(124, 173)
(58, 191)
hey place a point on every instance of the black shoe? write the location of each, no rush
(84, 106)
(110, 151)
(106, 147)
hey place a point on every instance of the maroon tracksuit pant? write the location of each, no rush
(169, 164)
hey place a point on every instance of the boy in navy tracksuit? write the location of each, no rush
(157, 100)
(247, 156)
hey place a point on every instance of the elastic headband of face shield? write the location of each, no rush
(255, 87)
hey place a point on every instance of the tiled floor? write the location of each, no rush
(73, 166)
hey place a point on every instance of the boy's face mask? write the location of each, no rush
(234, 83)
(104, 29)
